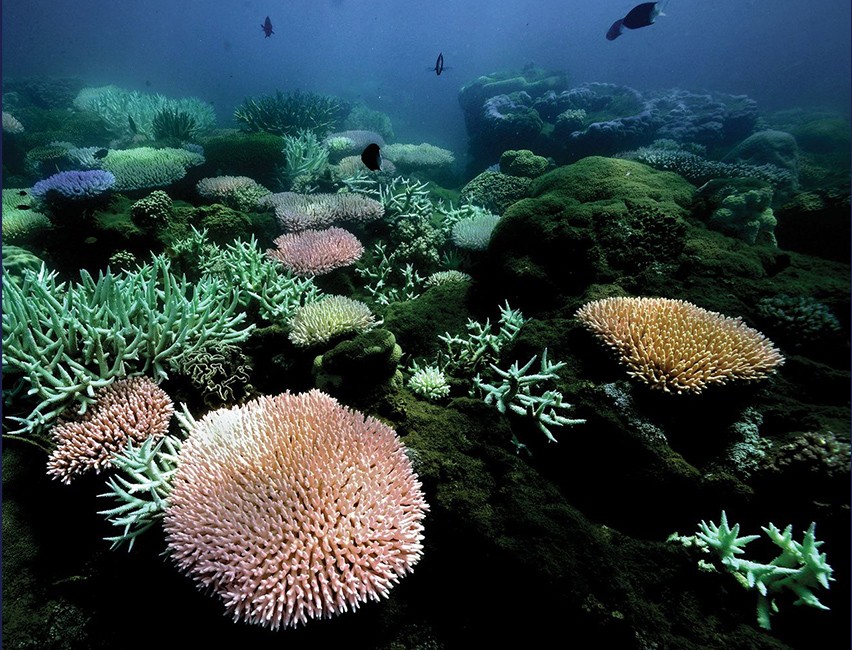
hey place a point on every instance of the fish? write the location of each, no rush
(23, 207)
(372, 157)
(22, 193)
(267, 27)
(640, 16)
(132, 125)
(439, 64)
(101, 153)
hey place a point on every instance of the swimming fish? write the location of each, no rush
(439, 64)
(372, 157)
(267, 27)
(101, 153)
(640, 16)
(22, 193)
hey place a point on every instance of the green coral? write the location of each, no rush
(153, 211)
(132, 113)
(328, 318)
(21, 221)
(260, 283)
(61, 341)
(144, 167)
(305, 159)
(289, 113)
(515, 393)
(429, 382)
(172, 124)
(523, 162)
(141, 486)
(747, 215)
(799, 568)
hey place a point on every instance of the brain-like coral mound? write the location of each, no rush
(294, 507)
(523, 162)
(127, 410)
(679, 347)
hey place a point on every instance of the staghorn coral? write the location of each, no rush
(292, 508)
(128, 409)
(327, 318)
(678, 347)
(315, 252)
(61, 341)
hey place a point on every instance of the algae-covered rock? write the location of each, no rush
(587, 223)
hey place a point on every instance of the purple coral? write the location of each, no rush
(74, 185)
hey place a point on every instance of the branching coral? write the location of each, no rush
(61, 341)
(141, 487)
(287, 114)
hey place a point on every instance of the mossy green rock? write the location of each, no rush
(360, 365)
(586, 223)
(523, 162)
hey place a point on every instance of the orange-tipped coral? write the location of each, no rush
(679, 347)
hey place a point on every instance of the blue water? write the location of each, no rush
(782, 53)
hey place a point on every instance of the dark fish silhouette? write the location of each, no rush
(267, 27)
(372, 157)
(22, 193)
(640, 16)
(439, 65)
(132, 125)
(23, 207)
(101, 153)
